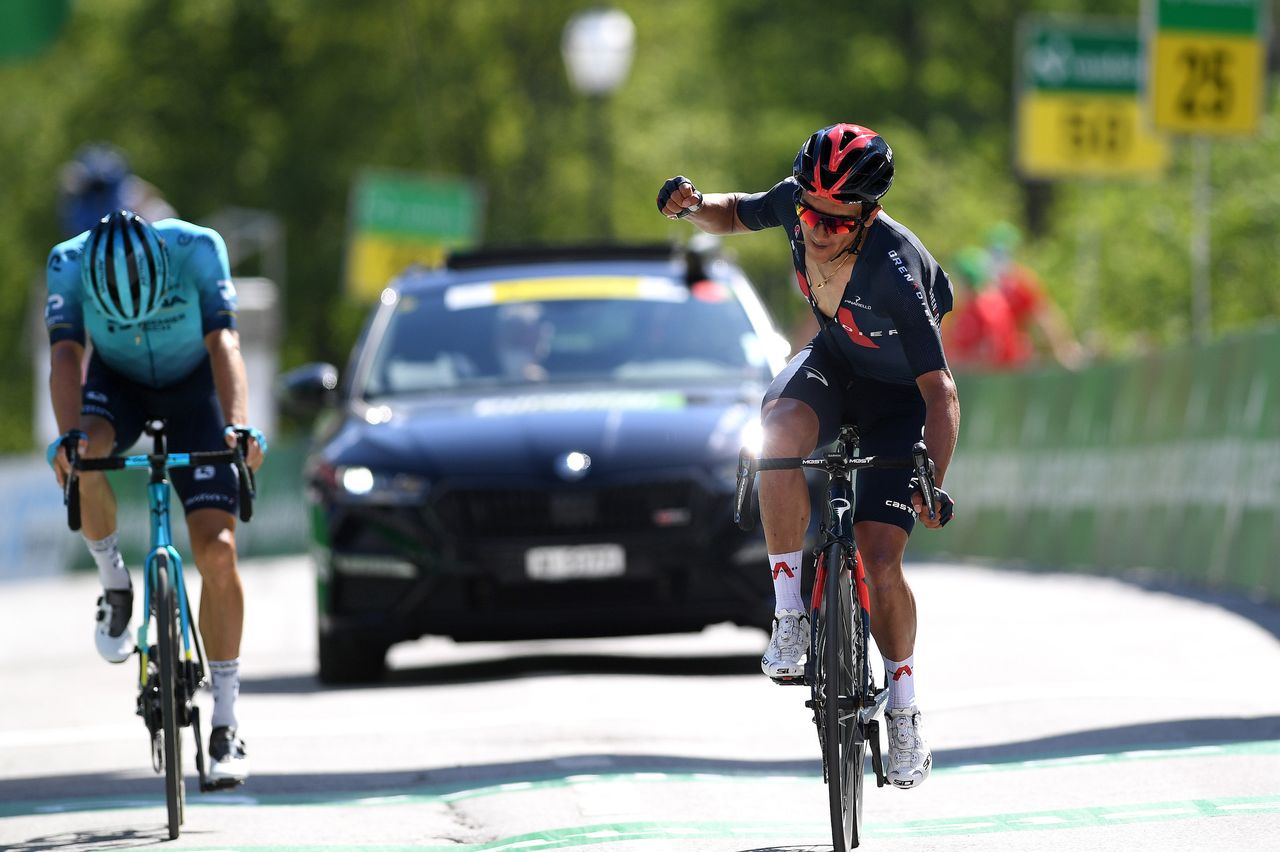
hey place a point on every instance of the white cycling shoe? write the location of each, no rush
(910, 759)
(788, 646)
(111, 631)
(228, 761)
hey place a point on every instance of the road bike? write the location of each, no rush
(173, 669)
(845, 695)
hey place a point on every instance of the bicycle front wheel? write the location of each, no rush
(170, 687)
(845, 746)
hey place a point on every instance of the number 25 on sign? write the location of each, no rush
(1204, 87)
(1207, 84)
(1205, 65)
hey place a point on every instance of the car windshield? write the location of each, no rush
(616, 329)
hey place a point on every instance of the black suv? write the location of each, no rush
(536, 444)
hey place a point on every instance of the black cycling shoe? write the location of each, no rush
(228, 764)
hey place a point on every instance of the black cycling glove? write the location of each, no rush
(946, 507)
(669, 188)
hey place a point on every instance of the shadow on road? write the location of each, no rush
(93, 841)
(529, 665)
(19, 796)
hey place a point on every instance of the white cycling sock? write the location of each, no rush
(111, 570)
(902, 681)
(786, 580)
(225, 675)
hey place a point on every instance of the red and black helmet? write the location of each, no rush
(845, 163)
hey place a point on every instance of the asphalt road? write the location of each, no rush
(1064, 712)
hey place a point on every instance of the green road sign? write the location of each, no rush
(1081, 56)
(27, 27)
(1078, 110)
(398, 219)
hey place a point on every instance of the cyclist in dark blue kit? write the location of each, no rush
(877, 362)
(158, 304)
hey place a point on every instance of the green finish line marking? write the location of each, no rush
(426, 795)
(613, 833)
(596, 835)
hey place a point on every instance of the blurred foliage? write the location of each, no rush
(276, 104)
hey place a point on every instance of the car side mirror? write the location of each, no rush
(308, 389)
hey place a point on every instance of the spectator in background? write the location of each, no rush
(1036, 318)
(981, 331)
(97, 181)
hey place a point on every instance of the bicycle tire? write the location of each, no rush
(844, 744)
(170, 685)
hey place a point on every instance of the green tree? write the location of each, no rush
(278, 104)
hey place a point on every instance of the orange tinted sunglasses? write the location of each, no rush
(835, 225)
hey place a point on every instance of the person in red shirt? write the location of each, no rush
(1034, 313)
(982, 332)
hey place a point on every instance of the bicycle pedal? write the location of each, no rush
(790, 681)
(219, 785)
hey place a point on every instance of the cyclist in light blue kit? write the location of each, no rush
(158, 305)
(876, 362)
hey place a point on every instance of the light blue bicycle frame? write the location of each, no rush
(158, 494)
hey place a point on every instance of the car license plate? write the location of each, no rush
(577, 562)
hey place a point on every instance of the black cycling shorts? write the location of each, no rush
(889, 417)
(193, 420)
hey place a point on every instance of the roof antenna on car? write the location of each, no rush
(699, 253)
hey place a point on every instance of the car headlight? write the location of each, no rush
(373, 486)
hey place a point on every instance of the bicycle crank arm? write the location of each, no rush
(877, 763)
(157, 753)
(195, 729)
(875, 708)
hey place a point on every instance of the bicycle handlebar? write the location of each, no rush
(248, 483)
(831, 463)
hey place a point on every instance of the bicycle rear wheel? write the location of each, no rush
(170, 691)
(844, 745)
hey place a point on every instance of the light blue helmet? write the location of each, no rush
(124, 267)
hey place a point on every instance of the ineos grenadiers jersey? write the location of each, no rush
(164, 349)
(887, 324)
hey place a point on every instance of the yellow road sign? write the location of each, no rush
(376, 259)
(398, 219)
(1078, 111)
(1063, 135)
(1206, 84)
(1205, 65)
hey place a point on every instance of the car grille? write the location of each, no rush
(620, 509)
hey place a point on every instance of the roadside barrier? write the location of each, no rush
(1168, 463)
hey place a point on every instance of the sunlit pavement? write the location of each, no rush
(1062, 711)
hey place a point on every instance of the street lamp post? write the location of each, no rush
(597, 45)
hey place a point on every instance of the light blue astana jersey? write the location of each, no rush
(167, 347)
